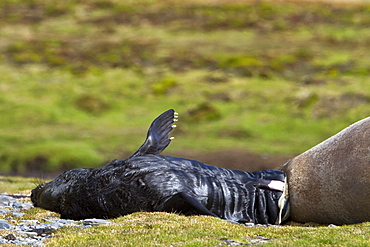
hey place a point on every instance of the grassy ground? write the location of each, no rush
(90, 76)
(164, 229)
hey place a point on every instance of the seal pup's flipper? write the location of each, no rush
(186, 204)
(157, 138)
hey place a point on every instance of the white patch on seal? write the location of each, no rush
(276, 185)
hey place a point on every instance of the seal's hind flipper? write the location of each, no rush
(187, 205)
(157, 138)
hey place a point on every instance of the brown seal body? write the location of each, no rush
(330, 183)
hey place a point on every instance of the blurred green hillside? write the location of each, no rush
(81, 81)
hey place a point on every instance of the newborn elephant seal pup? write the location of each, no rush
(151, 182)
(330, 183)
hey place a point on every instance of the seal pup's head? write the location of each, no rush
(51, 195)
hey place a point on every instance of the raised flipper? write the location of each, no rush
(157, 138)
(185, 204)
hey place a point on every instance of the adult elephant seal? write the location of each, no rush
(151, 182)
(330, 183)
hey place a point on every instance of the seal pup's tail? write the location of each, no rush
(157, 138)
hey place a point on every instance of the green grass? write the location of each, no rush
(11, 184)
(80, 82)
(163, 229)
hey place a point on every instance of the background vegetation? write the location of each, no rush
(80, 81)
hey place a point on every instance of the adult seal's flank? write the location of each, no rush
(330, 183)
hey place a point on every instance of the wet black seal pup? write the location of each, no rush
(148, 181)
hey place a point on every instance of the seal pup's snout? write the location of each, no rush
(35, 194)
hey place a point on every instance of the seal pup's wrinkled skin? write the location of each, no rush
(330, 183)
(151, 182)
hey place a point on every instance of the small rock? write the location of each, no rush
(25, 206)
(22, 234)
(249, 224)
(31, 234)
(18, 195)
(6, 200)
(43, 230)
(67, 222)
(95, 222)
(5, 225)
(10, 237)
(29, 222)
(231, 242)
(86, 226)
(262, 225)
(4, 211)
(259, 240)
(17, 214)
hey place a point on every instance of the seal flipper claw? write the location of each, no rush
(157, 138)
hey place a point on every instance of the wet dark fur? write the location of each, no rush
(150, 182)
